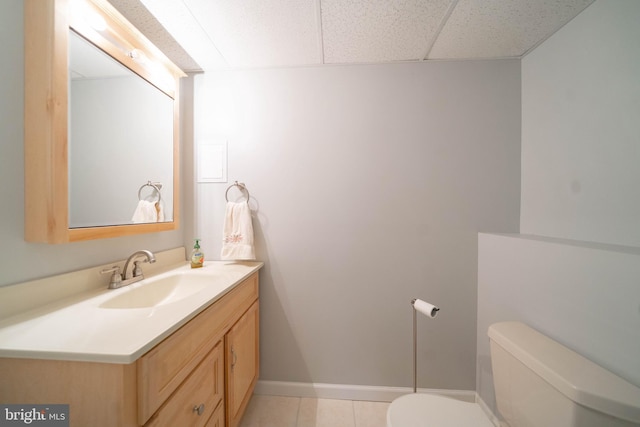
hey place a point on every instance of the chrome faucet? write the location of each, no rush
(119, 280)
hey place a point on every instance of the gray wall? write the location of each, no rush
(580, 128)
(21, 261)
(580, 177)
(583, 295)
(370, 184)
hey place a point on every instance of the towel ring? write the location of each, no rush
(156, 186)
(241, 186)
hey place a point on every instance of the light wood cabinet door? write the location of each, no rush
(242, 363)
(197, 399)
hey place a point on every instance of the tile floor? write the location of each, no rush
(279, 411)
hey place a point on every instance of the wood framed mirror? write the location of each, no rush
(51, 26)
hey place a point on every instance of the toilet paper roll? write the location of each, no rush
(425, 308)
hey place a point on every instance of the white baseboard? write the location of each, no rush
(350, 392)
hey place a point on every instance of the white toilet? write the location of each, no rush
(538, 383)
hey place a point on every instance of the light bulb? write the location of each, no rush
(137, 55)
(82, 10)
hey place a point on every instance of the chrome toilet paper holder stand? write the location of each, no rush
(430, 311)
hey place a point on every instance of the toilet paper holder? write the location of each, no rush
(430, 311)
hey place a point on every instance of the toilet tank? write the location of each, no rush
(541, 383)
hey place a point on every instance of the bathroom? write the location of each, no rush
(371, 184)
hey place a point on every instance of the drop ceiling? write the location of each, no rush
(213, 34)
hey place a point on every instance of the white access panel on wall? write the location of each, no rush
(211, 161)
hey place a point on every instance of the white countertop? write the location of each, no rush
(78, 328)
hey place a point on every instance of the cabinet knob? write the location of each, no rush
(199, 409)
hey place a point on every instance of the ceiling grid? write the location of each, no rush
(289, 33)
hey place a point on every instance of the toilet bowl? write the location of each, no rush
(429, 410)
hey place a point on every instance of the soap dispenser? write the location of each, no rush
(197, 257)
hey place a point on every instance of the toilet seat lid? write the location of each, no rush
(427, 410)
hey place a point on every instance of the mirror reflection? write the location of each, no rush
(120, 142)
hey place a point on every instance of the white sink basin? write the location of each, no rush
(159, 291)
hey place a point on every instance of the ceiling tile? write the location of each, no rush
(501, 28)
(275, 33)
(251, 33)
(364, 31)
(178, 20)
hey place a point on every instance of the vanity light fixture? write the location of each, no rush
(154, 69)
(137, 55)
(96, 21)
(164, 77)
(157, 71)
(87, 20)
(90, 17)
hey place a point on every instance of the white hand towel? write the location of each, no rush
(160, 211)
(145, 212)
(237, 240)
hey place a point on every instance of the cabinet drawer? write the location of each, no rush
(164, 367)
(197, 399)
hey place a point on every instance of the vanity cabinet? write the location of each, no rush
(201, 375)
